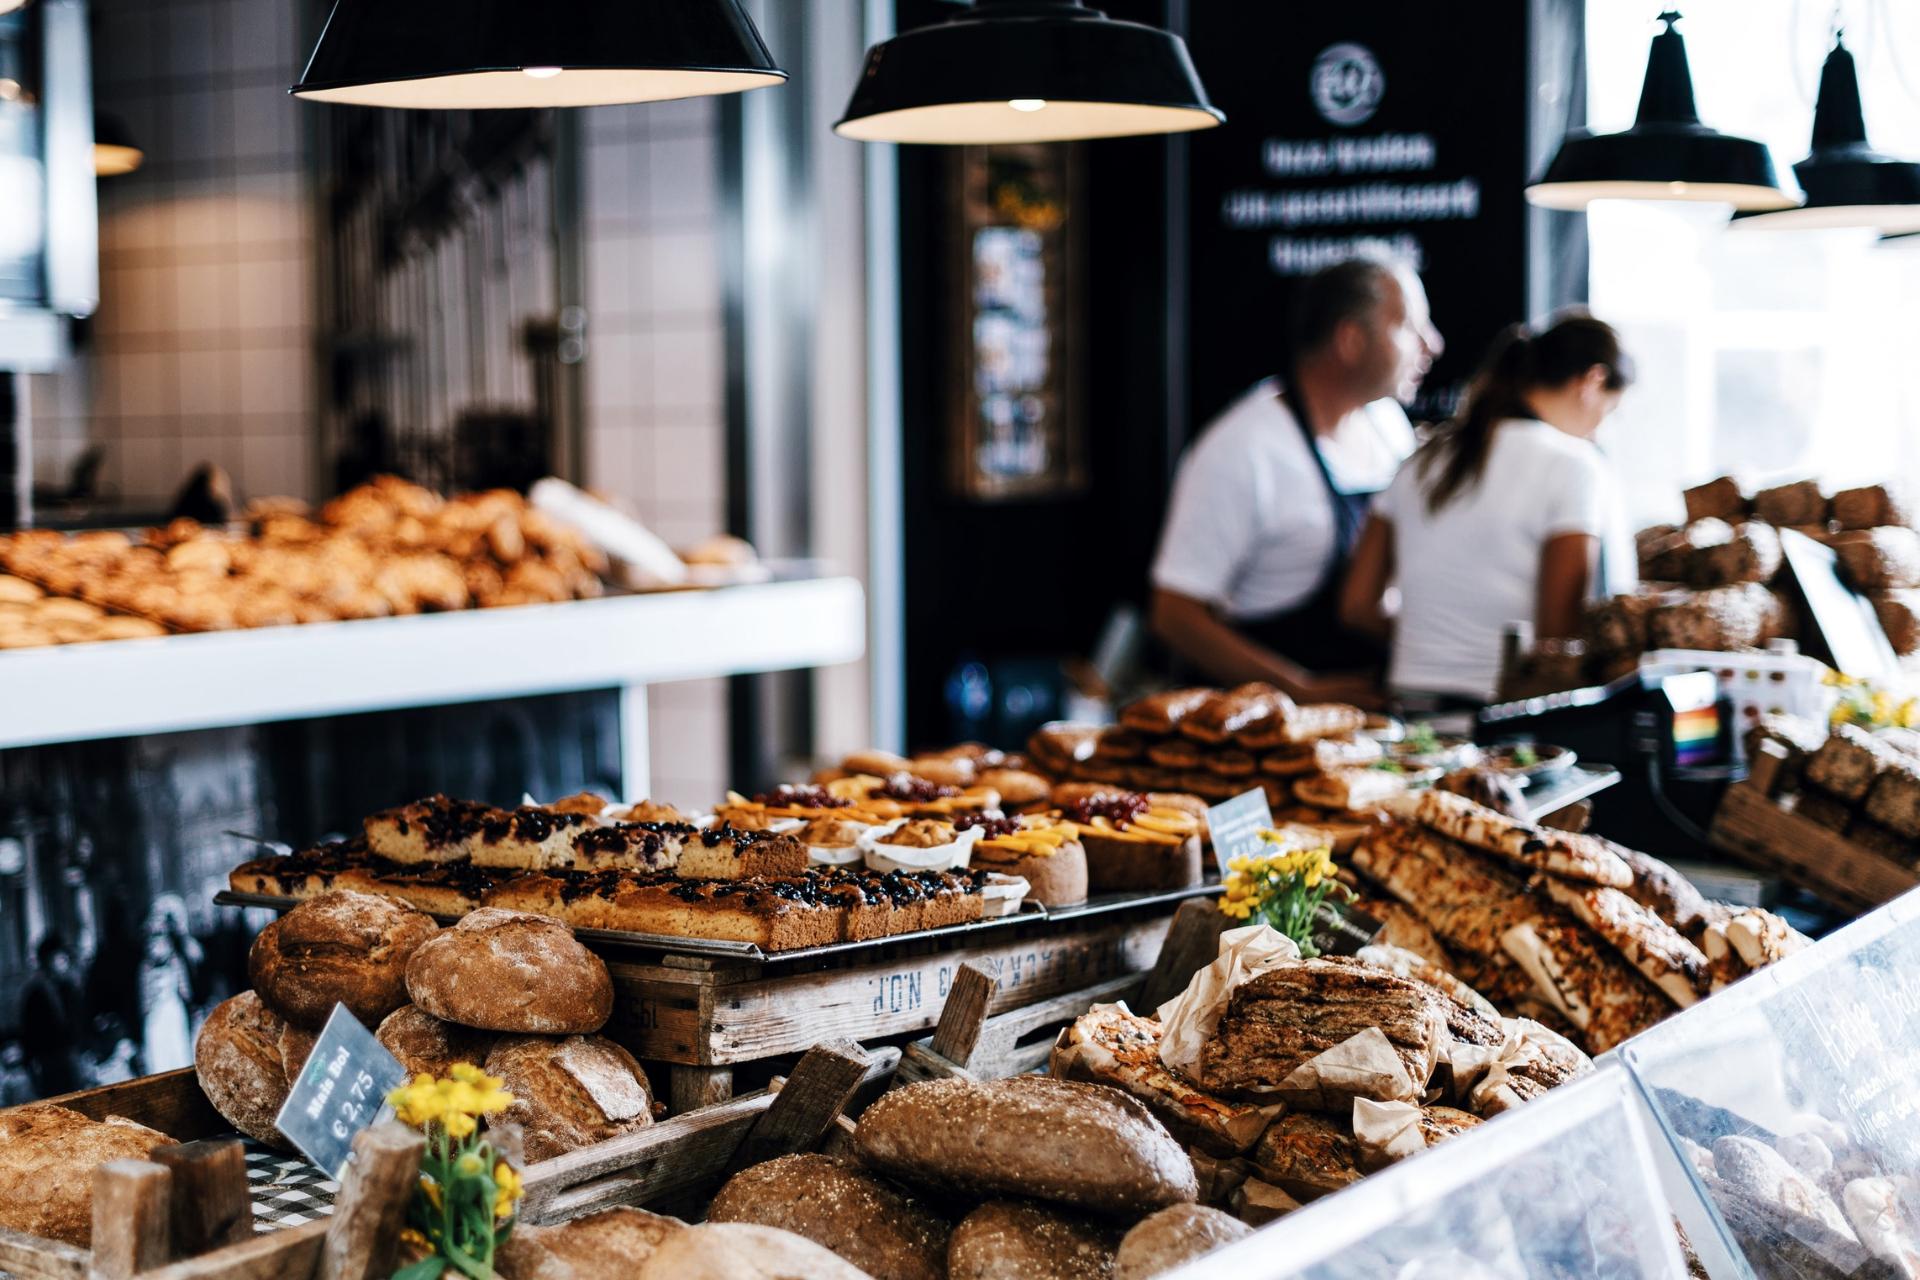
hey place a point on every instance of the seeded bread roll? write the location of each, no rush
(607, 1245)
(1078, 1144)
(241, 1068)
(570, 1093)
(1008, 1240)
(742, 1251)
(47, 1158)
(346, 948)
(1174, 1237)
(512, 971)
(427, 1046)
(863, 1219)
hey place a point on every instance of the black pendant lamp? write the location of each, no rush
(1667, 155)
(1848, 183)
(1009, 71)
(115, 153)
(475, 54)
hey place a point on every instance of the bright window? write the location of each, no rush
(1777, 355)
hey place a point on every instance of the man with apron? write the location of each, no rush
(1271, 498)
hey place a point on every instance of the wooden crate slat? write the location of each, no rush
(768, 1016)
(170, 1102)
(31, 1258)
(291, 1254)
(658, 1161)
(1756, 829)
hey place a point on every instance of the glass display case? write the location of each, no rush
(1564, 1187)
(1792, 1101)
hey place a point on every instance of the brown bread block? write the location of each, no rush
(864, 1219)
(1899, 613)
(1718, 499)
(511, 971)
(1798, 736)
(346, 948)
(1879, 559)
(1871, 507)
(47, 1158)
(1752, 554)
(570, 1093)
(1076, 1144)
(1007, 1240)
(1875, 838)
(1744, 616)
(1847, 763)
(241, 1068)
(1798, 503)
(1894, 799)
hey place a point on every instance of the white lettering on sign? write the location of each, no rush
(1369, 202)
(1304, 255)
(1371, 153)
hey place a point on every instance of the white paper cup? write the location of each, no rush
(884, 857)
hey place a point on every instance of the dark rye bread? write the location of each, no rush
(1077, 1144)
(1009, 1240)
(864, 1219)
(1277, 1022)
(47, 1158)
(241, 1068)
(607, 1245)
(511, 971)
(570, 1093)
(1174, 1237)
(341, 947)
(428, 1046)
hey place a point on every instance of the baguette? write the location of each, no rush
(1562, 853)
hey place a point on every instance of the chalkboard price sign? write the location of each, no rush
(1235, 825)
(342, 1089)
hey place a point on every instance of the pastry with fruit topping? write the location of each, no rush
(1134, 843)
(833, 841)
(1039, 849)
(918, 844)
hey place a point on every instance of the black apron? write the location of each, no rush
(1310, 633)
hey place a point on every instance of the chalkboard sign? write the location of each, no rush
(1341, 930)
(1841, 628)
(341, 1090)
(1235, 825)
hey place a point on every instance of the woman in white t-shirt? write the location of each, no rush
(1508, 514)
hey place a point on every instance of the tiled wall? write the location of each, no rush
(202, 349)
(656, 419)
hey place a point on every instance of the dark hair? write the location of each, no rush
(1519, 363)
(1347, 290)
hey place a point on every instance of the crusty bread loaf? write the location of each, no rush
(240, 1066)
(743, 1251)
(571, 1093)
(1716, 499)
(1899, 614)
(296, 1043)
(1078, 1144)
(426, 1045)
(512, 971)
(345, 948)
(1788, 504)
(1308, 1156)
(869, 1222)
(1752, 554)
(1879, 559)
(1172, 1238)
(1008, 1240)
(1742, 616)
(1871, 507)
(47, 1158)
(607, 1245)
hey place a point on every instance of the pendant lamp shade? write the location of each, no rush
(1848, 183)
(1011, 71)
(115, 153)
(8, 6)
(477, 54)
(1667, 154)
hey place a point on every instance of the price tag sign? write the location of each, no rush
(1340, 930)
(342, 1089)
(1236, 824)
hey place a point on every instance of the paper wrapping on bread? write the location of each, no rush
(1187, 1021)
(1388, 1132)
(1363, 1067)
(1528, 1060)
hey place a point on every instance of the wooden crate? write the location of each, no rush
(1752, 826)
(703, 1016)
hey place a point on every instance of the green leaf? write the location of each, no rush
(425, 1269)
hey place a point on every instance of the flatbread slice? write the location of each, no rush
(1643, 939)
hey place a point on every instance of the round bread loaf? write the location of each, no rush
(240, 1066)
(1009, 1240)
(511, 971)
(607, 1245)
(742, 1251)
(296, 1044)
(1079, 1144)
(570, 1093)
(1174, 1237)
(47, 1158)
(342, 947)
(868, 1222)
(427, 1046)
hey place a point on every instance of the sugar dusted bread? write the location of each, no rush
(341, 947)
(511, 971)
(238, 1061)
(570, 1093)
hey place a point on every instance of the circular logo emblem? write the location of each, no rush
(1347, 84)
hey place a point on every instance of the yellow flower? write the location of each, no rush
(431, 1190)
(409, 1236)
(510, 1189)
(467, 1073)
(469, 1165)
(460, 1125)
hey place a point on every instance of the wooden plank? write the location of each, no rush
(1003, 1029)
(804, 1109)
(132, 1227)
(919, 1062)
(170, 1102)
(769, 1016)
(1757, 830)
(31, 1258)
(1193, 943)
(1764, 771)
(965, 1015)
(693, 1088)
(839, 1139)
(363, 1235)
(212, 1206)
(291, 1254)
(1019, 1060)
(636, 1168)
